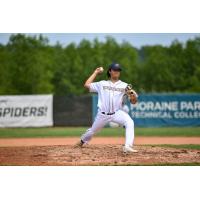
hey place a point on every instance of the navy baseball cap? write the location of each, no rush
(115, 66)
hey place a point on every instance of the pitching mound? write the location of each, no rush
(95, 155)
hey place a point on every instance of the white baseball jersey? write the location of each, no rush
(110, 95)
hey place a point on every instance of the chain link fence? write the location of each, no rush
(72, 110)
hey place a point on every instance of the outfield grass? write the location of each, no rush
(133, 164)
(165, 164)
(77, 131)
(180, 146)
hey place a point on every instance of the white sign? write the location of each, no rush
(26, 111)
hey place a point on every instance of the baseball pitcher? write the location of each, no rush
(111, 96)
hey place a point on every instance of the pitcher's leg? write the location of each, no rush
(123, 118)
(130, 133)
(98, 124)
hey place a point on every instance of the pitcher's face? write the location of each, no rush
(115, 74)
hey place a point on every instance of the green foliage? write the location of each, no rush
(26, 66)
(29, 65)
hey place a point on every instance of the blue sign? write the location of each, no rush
(156, 110)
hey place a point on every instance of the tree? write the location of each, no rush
(29, 65)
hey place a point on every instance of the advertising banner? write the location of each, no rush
(163, 110)
(26, 111)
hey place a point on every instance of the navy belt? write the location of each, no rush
(108, 113)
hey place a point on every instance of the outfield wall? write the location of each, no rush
(72, 110)
(152, 110)
(26, 111)
(45, 110)
(156, 110)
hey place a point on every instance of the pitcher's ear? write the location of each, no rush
(108, 73)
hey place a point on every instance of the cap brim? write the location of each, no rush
(116, 69)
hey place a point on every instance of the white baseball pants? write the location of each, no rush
(119, 117)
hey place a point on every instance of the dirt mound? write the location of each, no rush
(95, 154)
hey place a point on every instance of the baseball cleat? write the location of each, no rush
(79, 144)
(129, 149)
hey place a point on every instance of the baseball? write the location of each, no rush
(101, 69)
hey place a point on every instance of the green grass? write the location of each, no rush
(77, 131)
(169, 131)
(164, 164)
(180, 146)
(129, 164)
(136, 165)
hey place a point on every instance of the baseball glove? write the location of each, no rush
(132, 95)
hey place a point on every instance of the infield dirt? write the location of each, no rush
(108, 152)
